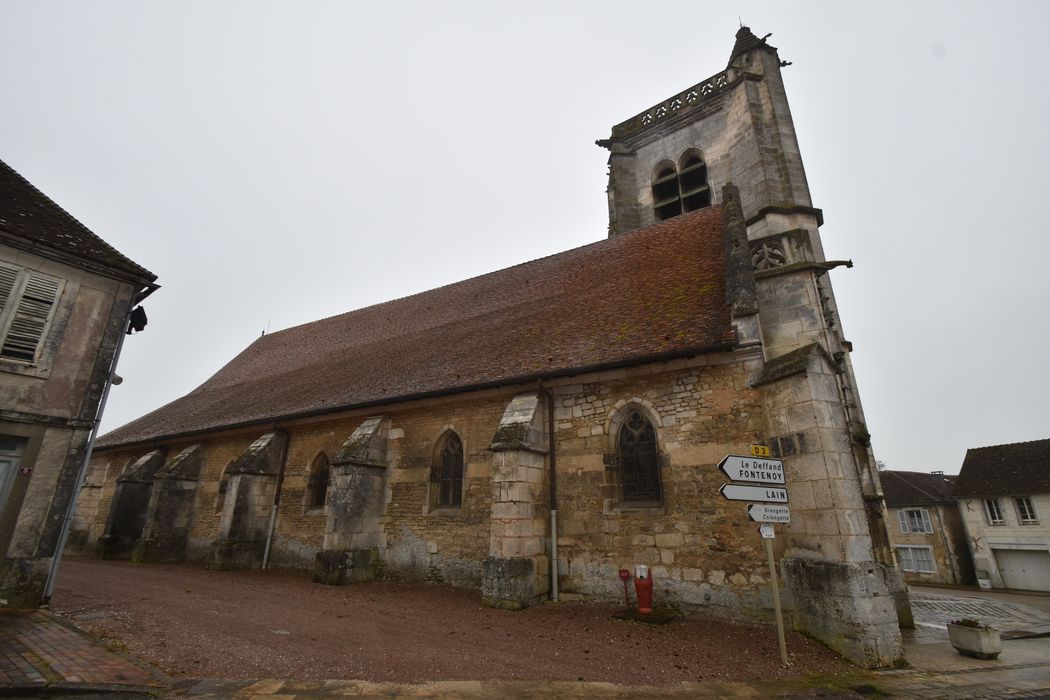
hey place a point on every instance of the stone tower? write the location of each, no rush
(680, 155)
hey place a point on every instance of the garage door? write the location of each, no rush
(1022, 569)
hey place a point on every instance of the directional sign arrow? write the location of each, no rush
(764, 471)
(766, 494)
(765, 513)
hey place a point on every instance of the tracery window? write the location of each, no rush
(638, 458)
(317, 485)
(447, 473)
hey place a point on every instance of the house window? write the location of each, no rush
(27, 304)
(638, 458)
(447, 473)
(1025, 511)
(915, 520)
(993, 512)
(916, 559)
(317, 484)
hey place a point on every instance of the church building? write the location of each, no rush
(536, 429)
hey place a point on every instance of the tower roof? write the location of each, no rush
(747, 41)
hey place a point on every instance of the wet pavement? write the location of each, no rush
(41, 651)
(41, 654)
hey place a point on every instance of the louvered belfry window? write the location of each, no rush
(639, 460)
(27, 303)
(449, 473)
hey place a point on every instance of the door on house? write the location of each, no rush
(1027, 570)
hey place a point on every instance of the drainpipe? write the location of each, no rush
(71, 509)
(554, 493)
(276, 499)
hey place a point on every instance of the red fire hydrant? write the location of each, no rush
(643, 589)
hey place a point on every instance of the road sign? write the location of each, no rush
(765, 513)
(767, 532)
(764, 471)
(764, 494)
(760, 451)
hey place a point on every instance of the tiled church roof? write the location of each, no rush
(652, 293)
(1017, 469)
(916, 488)
(28, 215)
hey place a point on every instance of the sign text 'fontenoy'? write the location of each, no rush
(764, 494)
(764, 471)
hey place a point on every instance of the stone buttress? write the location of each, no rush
(516, 573)
(248, 509)
(170, 514)
(353, 535)
(127, 515)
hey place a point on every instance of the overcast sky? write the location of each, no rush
(279, 162)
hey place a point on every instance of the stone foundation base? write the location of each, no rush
(510, 582)
(115, 547)
(23, 582)
(847, 606)
(237, 554)
(159, 550)
(339, 567)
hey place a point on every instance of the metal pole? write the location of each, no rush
(776, 601)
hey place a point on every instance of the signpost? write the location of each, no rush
(763, 494)
(759, 469)
(776, 593)
(763, 471)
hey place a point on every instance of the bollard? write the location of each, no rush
(643, 589)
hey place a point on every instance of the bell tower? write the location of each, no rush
(735, 128)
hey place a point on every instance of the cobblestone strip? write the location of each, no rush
(35, 649)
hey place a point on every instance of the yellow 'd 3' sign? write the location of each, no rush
(760, 451)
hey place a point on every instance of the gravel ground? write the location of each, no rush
(194, 623)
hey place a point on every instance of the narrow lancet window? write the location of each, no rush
(639, 459)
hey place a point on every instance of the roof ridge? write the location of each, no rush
(1007, 444)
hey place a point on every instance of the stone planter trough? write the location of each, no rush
(974, 641)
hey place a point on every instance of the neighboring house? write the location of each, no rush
(1004, 497)
(65, 301)
(450, 434)
(925, 527)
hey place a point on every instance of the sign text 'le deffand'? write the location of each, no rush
(764, 471)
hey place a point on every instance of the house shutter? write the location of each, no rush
(7, 283)
(904, 521)
(30, 318)
(927, 526)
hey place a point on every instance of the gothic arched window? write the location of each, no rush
(638, 458)
(692, 178)
(224, 485)
(446, 474)
(317, 485)
(667, 200)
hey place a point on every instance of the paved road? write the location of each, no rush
(934, 607)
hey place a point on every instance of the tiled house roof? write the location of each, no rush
(1005, 470)
(30, 219)
(653, 293)
(916, 488)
